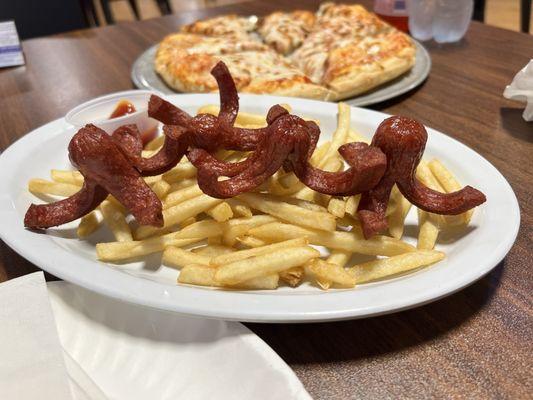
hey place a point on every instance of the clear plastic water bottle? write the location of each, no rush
(443, 20)
(451, 20)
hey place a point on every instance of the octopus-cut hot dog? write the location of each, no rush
(403, 141)
(106, 169)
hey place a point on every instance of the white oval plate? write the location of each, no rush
(469, 257)
(131, 352)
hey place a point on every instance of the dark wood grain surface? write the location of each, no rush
(474, 344)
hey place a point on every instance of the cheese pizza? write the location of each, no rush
(339, 52)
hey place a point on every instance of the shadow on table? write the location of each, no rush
(371, 337)
(515, 125)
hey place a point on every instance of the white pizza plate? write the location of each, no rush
(470, 254)
(144, 76)
(129, 352)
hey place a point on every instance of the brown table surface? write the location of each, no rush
(474, 344)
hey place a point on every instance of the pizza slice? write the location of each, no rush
(184, 61)
(225, 25)
(360, 66)
(286, 31)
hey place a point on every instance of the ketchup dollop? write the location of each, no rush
(123, 107)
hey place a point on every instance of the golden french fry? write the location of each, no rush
(176, 257)
(397, 218)
(178, 213)
(161, 188)
(292, 276)
(213, 250)
(250, 241)
(205, 276)
(257, 251)
(265, 264)
(289, 212)
(330, 273)
(89, 223)
(378, 269)
(179, 196)
(221, 212)
(115, 219)
(348, 241)
(182, 184)
(119, 251)
(339, 257)
(214, 240)
(187, 222)
(352, 202)
(179, 172)
(337, 207)
(239, 208)
(240, 226)
(424, 174)
(308, 205)
(339, 136)
(428, 231)
(450, 184)
(155, 143)
(42, 186)
(72, 177)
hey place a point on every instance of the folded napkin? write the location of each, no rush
(521, 89)
(32, 365)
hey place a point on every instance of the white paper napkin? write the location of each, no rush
(31, 359)
(521, 89)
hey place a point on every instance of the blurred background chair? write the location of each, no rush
(46, 17)
(163, 5)
(525, 15)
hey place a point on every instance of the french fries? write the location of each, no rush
(241, 255)
(115, 219)
(263, 239)
(265, 264)
(397, 216)
(72, 177)
(120, 251)
(176, 214)
(42, 186)
(205, 276)
(221, 212)
(176, 257)
(237, 227)
(328, 273)
(289, 212)
(348, 241)
(379, 269)
(448, 182)
(88, 224)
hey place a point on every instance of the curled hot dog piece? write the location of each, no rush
(403, 141)
(106, 169)
(44, 216)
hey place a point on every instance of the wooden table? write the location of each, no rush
(474, 344)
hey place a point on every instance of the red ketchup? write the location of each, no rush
(124, 107)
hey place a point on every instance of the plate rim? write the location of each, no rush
(422, 56)
(162, 302)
